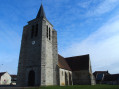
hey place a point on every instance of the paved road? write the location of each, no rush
(14, 87)
(11, 88)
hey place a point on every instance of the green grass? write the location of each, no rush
(80, 87)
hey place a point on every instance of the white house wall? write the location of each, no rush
(5, 79)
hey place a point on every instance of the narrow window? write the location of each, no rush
(32, 31)
(62, 73)
(36, 33)
(49, 33)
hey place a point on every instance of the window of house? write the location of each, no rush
(36, 33)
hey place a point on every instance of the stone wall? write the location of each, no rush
(55, 58)
(81, 77)
(48, 53)
(30, 55)
(38, 54)
(84, 77)
(93, 81)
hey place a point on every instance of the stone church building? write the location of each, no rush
(39, 61)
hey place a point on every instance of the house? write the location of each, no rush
(99, 76)
(13, 79)
(5, 78)
(112, 79)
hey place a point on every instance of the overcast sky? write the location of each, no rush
(83, 27)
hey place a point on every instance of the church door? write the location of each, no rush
(31, 78)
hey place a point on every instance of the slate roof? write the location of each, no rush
(62, 63)
(41, 13)
(100, 72)
(78, 63)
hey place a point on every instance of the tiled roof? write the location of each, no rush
(78, 63)
(62, 63)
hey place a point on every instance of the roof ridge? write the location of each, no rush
(78, 56)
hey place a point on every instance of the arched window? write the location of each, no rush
(32, 31)
(66, 80)
(62, 73)
(49, 33)
(70, 79)
(36, 33)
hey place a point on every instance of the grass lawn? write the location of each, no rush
(80, 87)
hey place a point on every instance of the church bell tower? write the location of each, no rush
(38, 55)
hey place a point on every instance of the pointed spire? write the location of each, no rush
(41, 12)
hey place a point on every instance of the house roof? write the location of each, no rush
(100, 72)
(62, 63)
(13, 76)
(1, 73)
(111, 77)
(78, 63)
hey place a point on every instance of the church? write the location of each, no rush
(39, 61)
